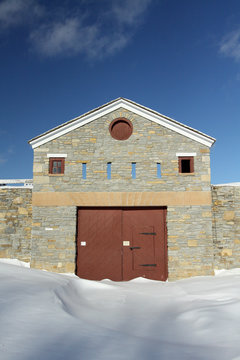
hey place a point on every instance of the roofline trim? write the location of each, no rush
(128, 105)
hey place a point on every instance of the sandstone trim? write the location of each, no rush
(167, 198)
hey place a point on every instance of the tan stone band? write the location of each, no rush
(167, 198)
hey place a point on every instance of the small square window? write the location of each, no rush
(186, 164)
(56, 166)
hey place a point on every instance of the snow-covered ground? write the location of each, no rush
(229, 184)
(46, 316)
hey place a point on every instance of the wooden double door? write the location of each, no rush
(122, 243)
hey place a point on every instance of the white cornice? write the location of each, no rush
(128, 105)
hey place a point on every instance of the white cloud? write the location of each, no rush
(16, 12)
(230, 45)
(70, 28)
(71, 36)
(129, 11)
(57, 38)
(116, 24)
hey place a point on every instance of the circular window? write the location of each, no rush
(121, 129)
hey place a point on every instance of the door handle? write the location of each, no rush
(135, 247)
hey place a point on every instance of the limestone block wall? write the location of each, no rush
(190, 246)
(15, 223)
(226, 226)
(92, 144)
(54, 234)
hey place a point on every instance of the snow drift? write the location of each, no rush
(51, 316)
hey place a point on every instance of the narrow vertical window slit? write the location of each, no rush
(109, 170)
(159, 173)
(84, 170)
(133, 170)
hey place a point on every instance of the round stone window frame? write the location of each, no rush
(124, 120)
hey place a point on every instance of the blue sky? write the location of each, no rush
(59, 59)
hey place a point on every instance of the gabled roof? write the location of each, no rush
(128, 105)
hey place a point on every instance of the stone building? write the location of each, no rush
(120, 192)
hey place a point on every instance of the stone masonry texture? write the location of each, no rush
(150, 143)
(190, 251)
(15, 223)
(54, 238)
(226, 226)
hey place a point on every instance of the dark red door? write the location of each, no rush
(146, 255)
(122, 244)
(99, 254)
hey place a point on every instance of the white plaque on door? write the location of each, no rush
(126, 243)
(83, 243)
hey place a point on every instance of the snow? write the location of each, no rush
(47, 316)
(229, 184)
(15, 262)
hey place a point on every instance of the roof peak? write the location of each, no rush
(131, 106)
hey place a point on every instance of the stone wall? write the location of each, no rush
(57, 253)
(149, 144)
(54, 234)
(190, 247)
(15, 223)
(226, 226)
(190, 250)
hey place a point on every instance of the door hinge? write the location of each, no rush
(150, 233)
(148, 264)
